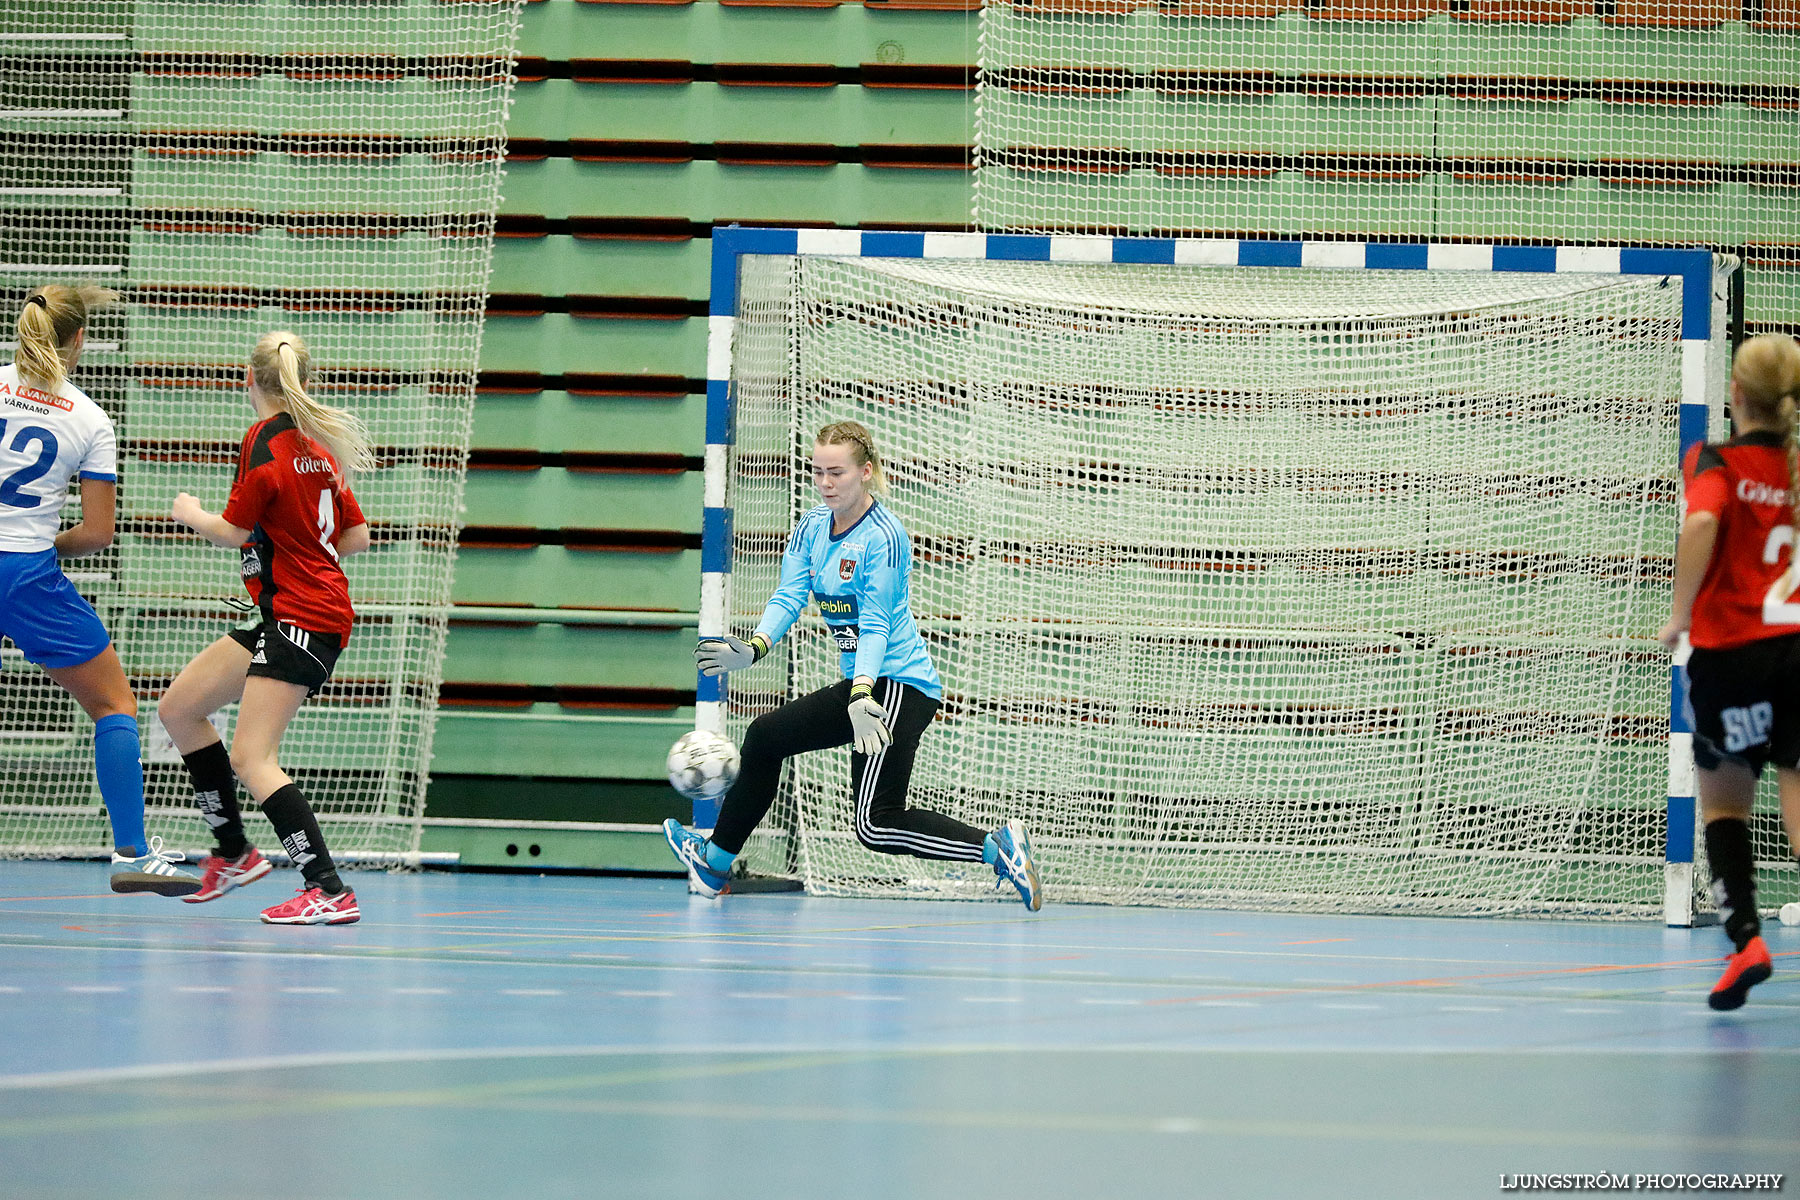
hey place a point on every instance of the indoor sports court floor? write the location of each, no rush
(505, 1035)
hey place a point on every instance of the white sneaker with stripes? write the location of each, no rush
(153, 872)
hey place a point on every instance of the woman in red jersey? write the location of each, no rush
(1737, 597)
(292, 517)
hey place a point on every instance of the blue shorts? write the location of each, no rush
(44, 615)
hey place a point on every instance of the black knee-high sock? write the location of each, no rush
(298, 830)
(1734, 878)
(215, 794)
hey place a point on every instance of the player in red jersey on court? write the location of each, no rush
(293, 518)
(1737, 597)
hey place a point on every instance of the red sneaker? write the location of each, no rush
(310, 906)
(220, 875)
(1743, 971)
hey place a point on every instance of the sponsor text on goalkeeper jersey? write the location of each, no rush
(861, 580)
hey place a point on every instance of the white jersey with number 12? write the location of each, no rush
(46, 438)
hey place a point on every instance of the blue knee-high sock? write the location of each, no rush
(117, 763)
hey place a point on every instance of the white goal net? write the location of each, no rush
(1624, 122)
(1281, 587)
(234, 168)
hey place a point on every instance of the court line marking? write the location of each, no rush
(701, 1114)
(452, 955)
(537, 1095)
(1447, 981)
(90, 1076)
(812, 938)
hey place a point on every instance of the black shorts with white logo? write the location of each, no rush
(1744, 704)
(289, 653)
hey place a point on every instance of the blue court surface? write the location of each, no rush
(509, 1035)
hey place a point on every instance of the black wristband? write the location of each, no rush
(759, 646)
(861, 691)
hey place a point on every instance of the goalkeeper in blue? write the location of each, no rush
(850, 555)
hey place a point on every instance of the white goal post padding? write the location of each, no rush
(1266, 574)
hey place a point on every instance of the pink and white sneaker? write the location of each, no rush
(220, 875)
(310, 906)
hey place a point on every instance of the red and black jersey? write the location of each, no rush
(286, 492)
(1745, 483)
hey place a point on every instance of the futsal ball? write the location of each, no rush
(1790, 913)
(702, 765)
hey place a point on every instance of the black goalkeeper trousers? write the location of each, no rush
(878, 782)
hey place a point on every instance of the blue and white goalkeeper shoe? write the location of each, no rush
(1014, 864)
(690, 848)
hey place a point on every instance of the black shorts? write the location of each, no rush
(1744, 704)
(289, 653)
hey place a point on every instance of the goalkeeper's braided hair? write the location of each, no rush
(855, 434)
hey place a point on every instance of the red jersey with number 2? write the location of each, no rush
(286, 492)
(1745, 483)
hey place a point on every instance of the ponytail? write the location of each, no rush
(1766, 375)
(282, 368)
(52, 316)
(1791, 440)
(1766, 380)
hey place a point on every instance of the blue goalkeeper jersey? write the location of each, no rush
(862, 580)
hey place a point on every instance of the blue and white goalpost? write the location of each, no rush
(1296, 574)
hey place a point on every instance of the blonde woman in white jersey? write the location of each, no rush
(50, 433)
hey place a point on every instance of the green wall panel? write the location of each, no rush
(705, 191)
(560, 265)
(555, 343)
(705, 112)
(570, 655)
(561, 577)
(556, 421)
(547, 740)
(553, 498)
(712, 33)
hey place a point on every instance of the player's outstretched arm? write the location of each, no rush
(211, 526)
(718, 656)
(99, 506)
(1693, 554)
